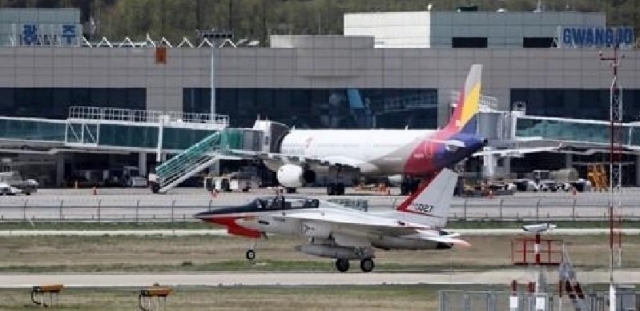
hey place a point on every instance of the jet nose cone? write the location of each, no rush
(202, 215)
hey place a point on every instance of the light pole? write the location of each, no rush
(214, 36)
(212, 108)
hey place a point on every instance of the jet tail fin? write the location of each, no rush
(430, 204)
(464, 117)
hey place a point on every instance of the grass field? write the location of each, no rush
(363, 297)
(387, 297)
(209, 253)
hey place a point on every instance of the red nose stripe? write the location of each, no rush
(234, 228)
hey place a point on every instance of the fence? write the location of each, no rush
(163, 209)
(460, 300)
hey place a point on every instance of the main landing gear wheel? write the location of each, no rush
(367, 265)
(335, 189)
(342, 265)
(251, 255)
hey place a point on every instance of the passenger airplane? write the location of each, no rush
(302, 154)
(343, 233)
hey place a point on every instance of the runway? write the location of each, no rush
(501, 277)
(112, 205)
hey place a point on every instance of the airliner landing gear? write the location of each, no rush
(336, 188)
(408, 186)
(342, 265)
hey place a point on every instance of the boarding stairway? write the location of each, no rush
(204, 154)
(570, 284)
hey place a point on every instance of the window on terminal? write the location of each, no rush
(469, 42)
(538, 42)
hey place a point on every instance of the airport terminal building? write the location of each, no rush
(389, 70)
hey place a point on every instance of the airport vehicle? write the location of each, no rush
(125, 176)
(6, 189)
(231, 182)
(14, 179)
(342, 233)
(300, 155)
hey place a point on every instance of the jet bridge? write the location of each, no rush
(104, 129)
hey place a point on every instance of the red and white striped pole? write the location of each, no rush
(514, 299)
(536, 249)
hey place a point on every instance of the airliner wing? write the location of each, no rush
(297, 159)
(516, 152)
(451, 143)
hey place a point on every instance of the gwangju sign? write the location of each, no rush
(596, 37)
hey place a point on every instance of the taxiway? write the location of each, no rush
(297, 279)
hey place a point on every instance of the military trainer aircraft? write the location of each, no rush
(342, 233)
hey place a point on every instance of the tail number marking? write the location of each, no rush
(423, 208)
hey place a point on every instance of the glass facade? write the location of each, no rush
(52, 131)
(320, 108)
(576, 103)
(54, 103)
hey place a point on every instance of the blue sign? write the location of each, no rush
(29, 34)
(69, 33)
(49, 34)
(596, 36)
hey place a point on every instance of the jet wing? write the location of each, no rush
(361, 225)
(366, 226)
(448, 239)
(296, 159)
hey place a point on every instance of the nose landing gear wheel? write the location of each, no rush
(342, 265)
(367, 265)
(251, 255)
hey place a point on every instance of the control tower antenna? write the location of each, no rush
(615, 165)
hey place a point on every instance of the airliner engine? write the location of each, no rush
(294, 176)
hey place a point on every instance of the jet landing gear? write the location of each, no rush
(251, 253)
(366, 265)
(342, 264)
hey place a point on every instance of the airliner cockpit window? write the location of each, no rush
(314, 203)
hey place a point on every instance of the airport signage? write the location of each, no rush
(596, 37)
(47, 34)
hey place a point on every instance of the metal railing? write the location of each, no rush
(105, 209)
(149, 116)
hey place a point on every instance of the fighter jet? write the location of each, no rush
(343, 233)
